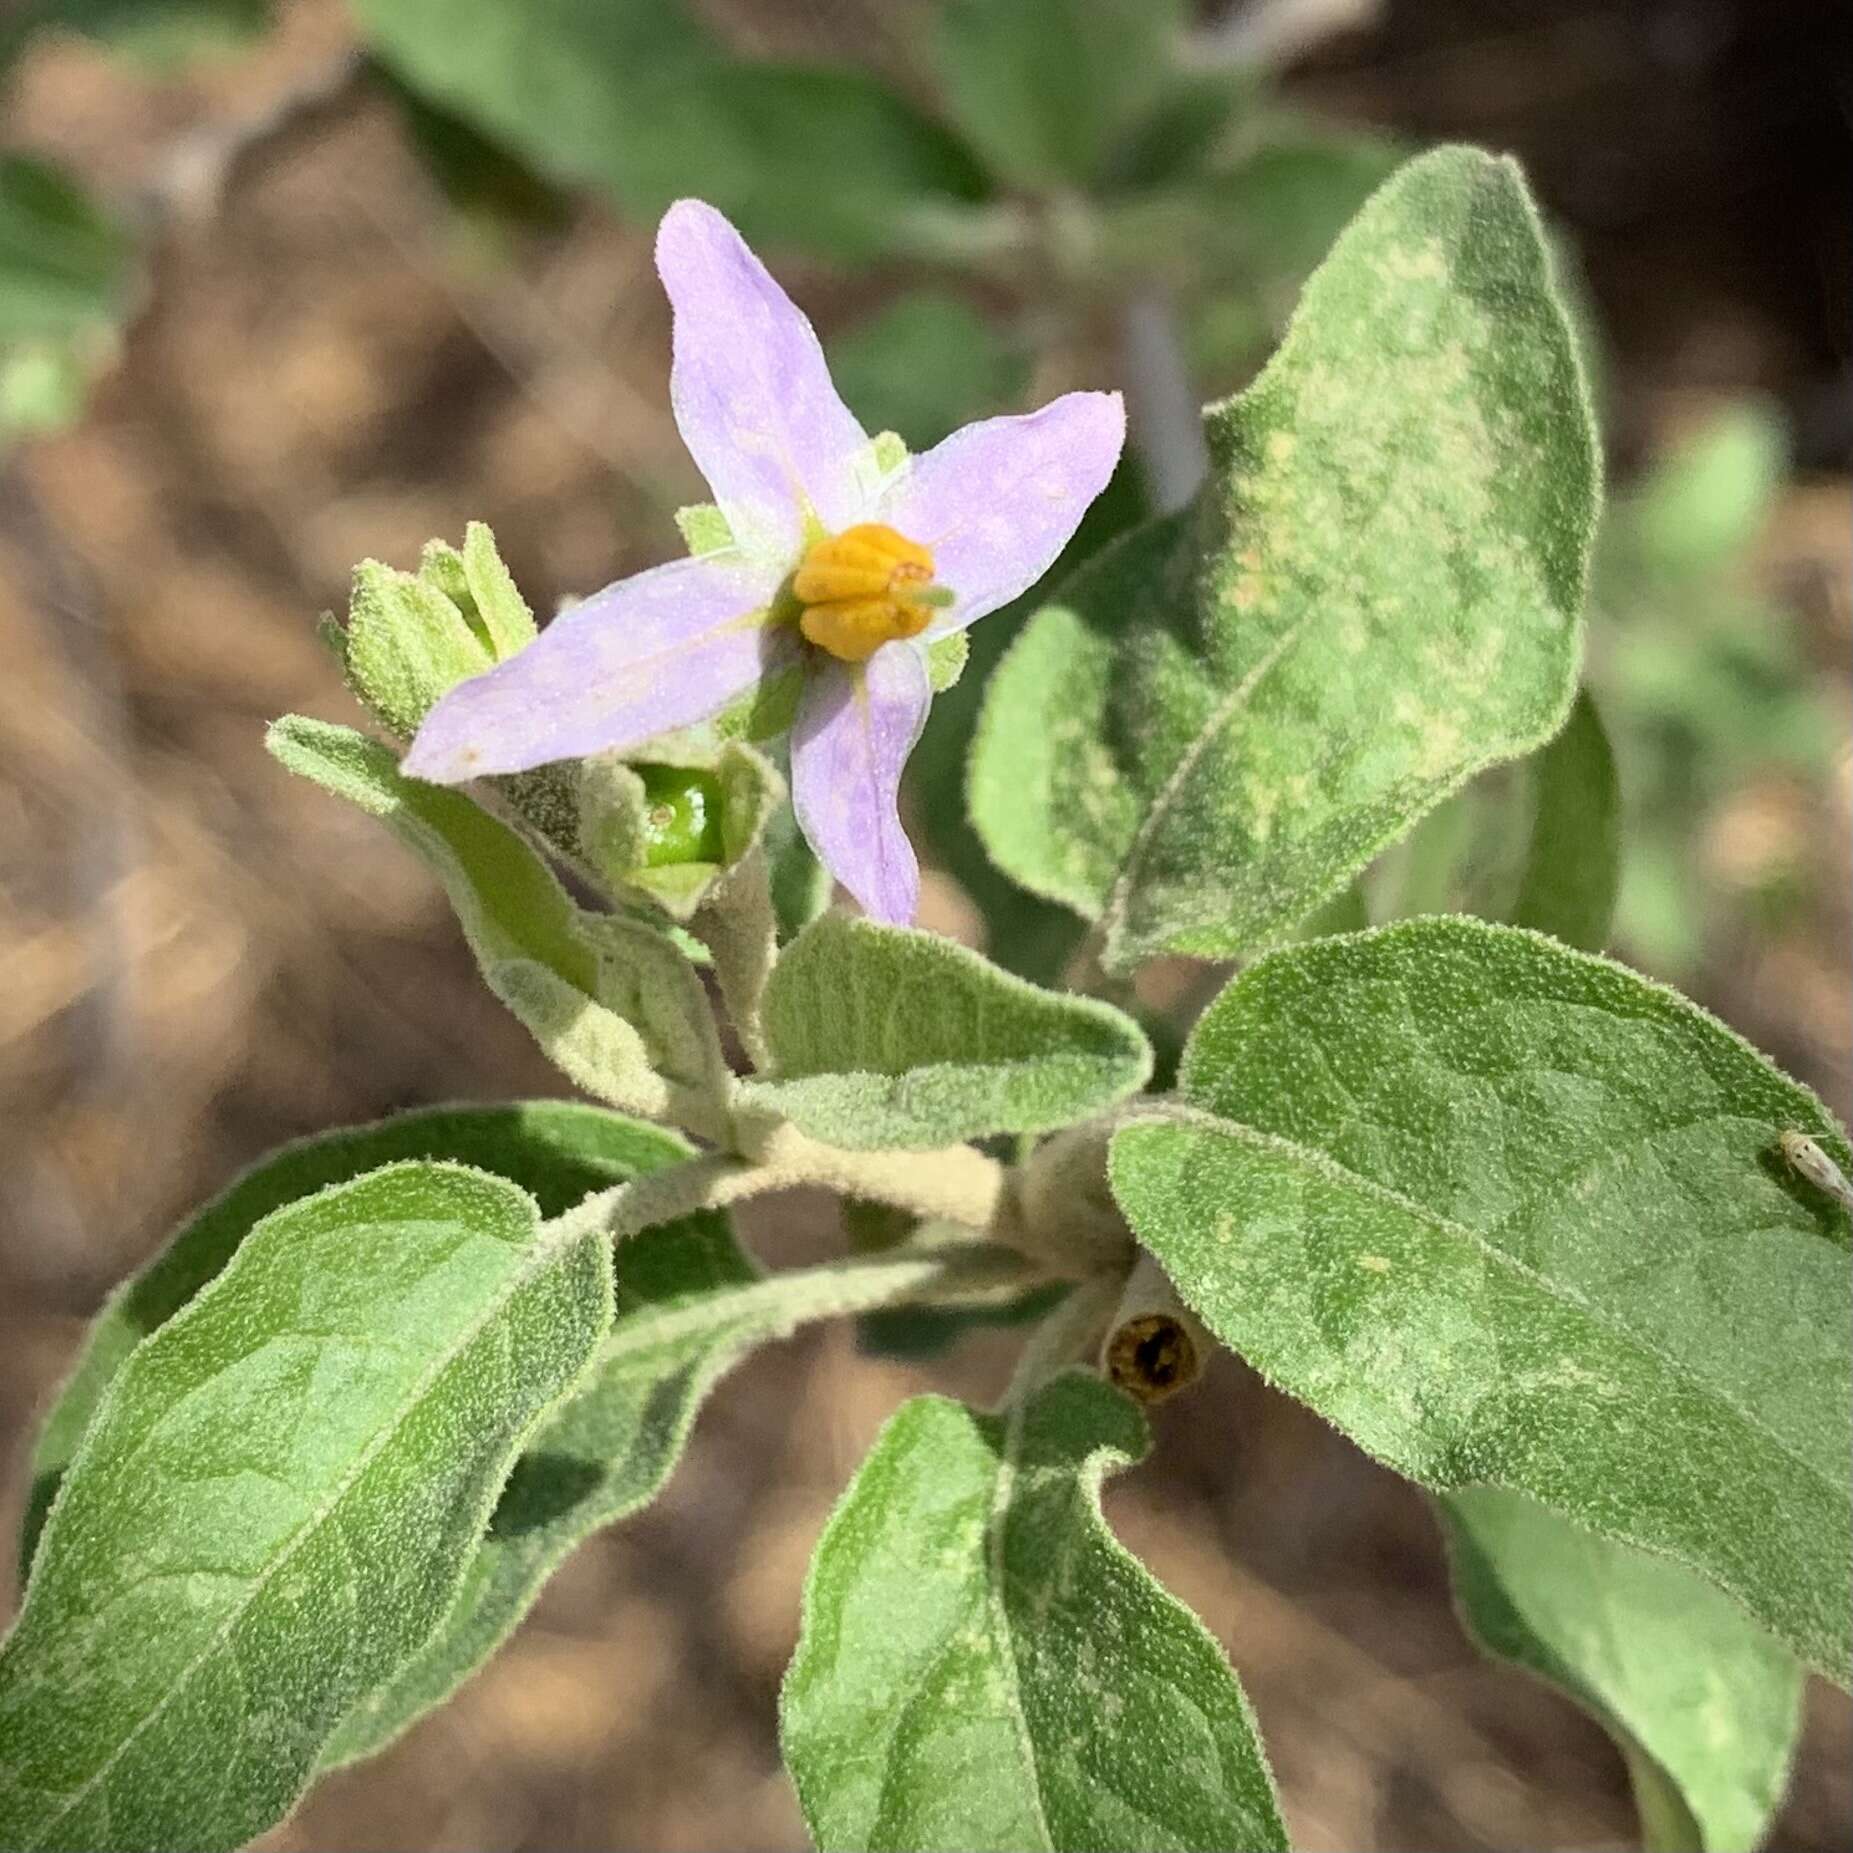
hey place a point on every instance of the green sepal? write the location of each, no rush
(406, 645)
(483, 589)
(666, 835)
(704, 528)
(945, 660)
(613, 1003)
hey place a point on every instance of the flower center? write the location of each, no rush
(865, 587)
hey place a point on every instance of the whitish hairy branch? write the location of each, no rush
(956, 1185)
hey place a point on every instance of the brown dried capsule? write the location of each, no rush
(1155, 1345)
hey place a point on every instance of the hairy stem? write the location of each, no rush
(956, 1185)
(738, 924)
(1071, 1334)
(930, 1274)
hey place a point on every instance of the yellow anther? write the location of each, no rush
(862, 588)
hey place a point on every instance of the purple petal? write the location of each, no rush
(661, 650)
(857, 722)
(751, 390)
(997, 501)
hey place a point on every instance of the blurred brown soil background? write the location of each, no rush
(200, 957)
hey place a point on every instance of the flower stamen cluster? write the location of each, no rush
(865, 587)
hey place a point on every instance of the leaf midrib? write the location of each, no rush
(1002, 1490)
(1120, 900)
(1331, 1171)
(541, 1250)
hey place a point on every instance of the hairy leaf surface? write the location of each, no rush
(558, 1151)
(884, 1036)
(1705, 1705)
(690, 1307)
(983, 1665)
(1510, 1215)
(614, 1005)
(1536, 844)
(1573, 857)
(1223, 717)
(275, 1502)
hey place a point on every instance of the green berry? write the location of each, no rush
(682, 818)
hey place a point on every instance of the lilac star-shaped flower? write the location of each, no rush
(833, 564)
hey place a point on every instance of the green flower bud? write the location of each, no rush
(412, 637)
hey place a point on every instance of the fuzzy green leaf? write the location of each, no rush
(1023, 932)
(1227, 714)
(1509, 1215)
(982, 1664)
(275, 1503)
(1573, 858)
(1536, 844)
(1705, 1705)
(558, 1151)
(690, 1307)
(636, 98)
(613, 1004)
(884, 1036)
(1045, 89)
(65, 268)
(683, 1321)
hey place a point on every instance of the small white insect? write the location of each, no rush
(1806, 1159)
